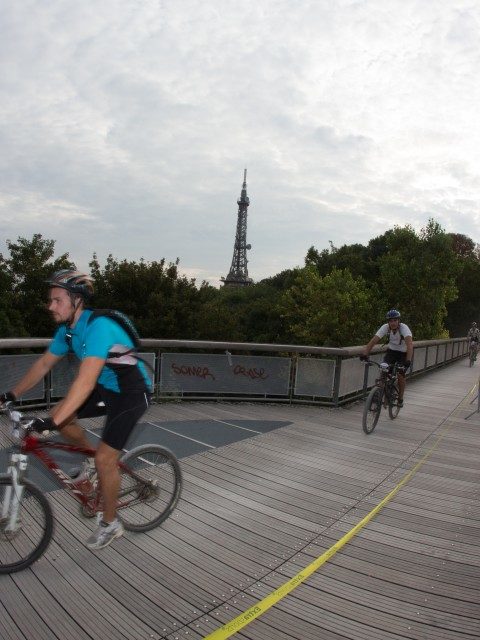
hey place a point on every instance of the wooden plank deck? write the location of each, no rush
(255, 512)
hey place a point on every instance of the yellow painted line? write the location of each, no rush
(269, 601)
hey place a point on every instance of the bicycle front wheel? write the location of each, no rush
(371, 411)
(151, 483)
(393, 408)
(26, 525)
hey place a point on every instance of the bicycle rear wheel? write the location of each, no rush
(371, 411)
(33, 526)
(393, 408)
(151, 483)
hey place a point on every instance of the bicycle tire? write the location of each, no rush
(36, 516)
(472, 358)
(372, 409)
(393, 408)
(151, 484)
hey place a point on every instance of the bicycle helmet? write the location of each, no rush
(474, 324)
(393, 314)
(75, 282)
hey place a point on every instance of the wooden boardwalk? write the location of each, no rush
(255, 512)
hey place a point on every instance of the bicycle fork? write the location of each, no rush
(13, 493)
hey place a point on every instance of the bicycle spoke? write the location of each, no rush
(32, 530)
(150, 487)
(393, 408)
(372, 409)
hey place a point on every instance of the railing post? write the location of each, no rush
(293, 375)
(47, 381)
(365, 381)
(336, 379)
(478, 395)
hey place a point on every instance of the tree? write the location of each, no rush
(334, 310)
(354, 257)
(29, 266)
(160, 301)
(466, 308)
(11, 324)
(417, 275)
(463, 246)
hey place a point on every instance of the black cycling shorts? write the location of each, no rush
(123, 411)
(392, 356)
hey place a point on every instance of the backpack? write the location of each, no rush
(121, 319)
(126, 324)
(402, 337)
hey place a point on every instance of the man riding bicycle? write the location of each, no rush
(111, 381)
(400, 347)
(474, 338)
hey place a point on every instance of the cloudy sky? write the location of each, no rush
(125, 125)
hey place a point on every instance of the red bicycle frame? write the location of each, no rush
(32, 444)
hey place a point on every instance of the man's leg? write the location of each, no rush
(72, 431)
(106, 461)
(123, 414)
(401, 386)
(124, 411)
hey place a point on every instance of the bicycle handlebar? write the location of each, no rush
(369, 363)
(20, 424)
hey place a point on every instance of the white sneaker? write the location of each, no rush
(105, 534)
(84, 472)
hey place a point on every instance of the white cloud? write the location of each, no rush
(125, 126)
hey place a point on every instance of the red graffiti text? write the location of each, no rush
(197, 372)
(253, 373)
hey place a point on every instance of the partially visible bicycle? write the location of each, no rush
(472, 352)
(151, 483)
(384, 393)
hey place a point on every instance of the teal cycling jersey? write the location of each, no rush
(98, 339)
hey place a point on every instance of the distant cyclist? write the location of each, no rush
(474, 333)
(110, 381)
(400, 347)
(474, 337)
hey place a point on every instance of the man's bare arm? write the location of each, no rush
(409, 343)
(375, 340)
(37, 372)
(82, 387)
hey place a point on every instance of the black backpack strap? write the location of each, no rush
(131, 352)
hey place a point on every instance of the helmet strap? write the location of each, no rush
(76, 302)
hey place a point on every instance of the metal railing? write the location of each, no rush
(193, 369)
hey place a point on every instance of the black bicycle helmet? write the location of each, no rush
(75, 282)
(393, 314)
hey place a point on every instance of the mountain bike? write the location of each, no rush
(384, 393)
(472, 352)
(151, 483)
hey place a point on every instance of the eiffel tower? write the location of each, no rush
(238, 274)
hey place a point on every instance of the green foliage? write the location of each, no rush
(466, 308)
(418, 274)
(26, 270)
(333, 310)
(356, 258)
(11, 325)
(254, 310)
(339, 298)
(162, 303)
